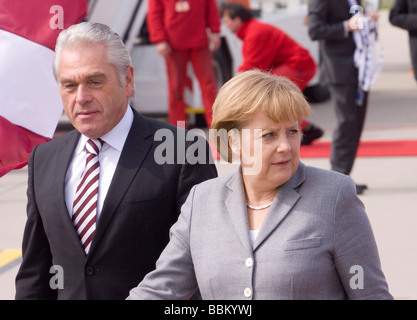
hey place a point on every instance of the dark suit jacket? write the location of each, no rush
(403, 14)
(325, 23)
(142, 203)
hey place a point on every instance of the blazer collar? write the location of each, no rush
(285, 199)
(236, 207)
(60, 167)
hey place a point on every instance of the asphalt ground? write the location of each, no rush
(390, 201)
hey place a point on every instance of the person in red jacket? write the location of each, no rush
(183, 31)
(270, 49)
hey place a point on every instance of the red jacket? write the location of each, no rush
(266, 47)
(182, 30)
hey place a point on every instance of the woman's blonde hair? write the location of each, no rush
(246, 93)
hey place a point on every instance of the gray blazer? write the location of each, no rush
(316, 242)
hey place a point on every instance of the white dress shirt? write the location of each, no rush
(108, 157)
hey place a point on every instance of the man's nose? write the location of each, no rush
(83, 95)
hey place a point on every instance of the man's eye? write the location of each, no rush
(95, 83)
(267, 135)
(69, 86)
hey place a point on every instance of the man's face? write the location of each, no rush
(94, 100)
(232, 24)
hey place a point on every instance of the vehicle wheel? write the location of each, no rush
(222, 64)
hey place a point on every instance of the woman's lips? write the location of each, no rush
(281, 163)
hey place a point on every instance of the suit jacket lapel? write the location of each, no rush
(135, 150)
(235, 204)
(284, 201)
(60, 171)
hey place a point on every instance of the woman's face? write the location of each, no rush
(269, 151)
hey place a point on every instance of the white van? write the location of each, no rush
(128, 19)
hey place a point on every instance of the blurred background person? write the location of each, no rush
(268, 48)
(276, 228)
(403, 14)
(184, 31)
(332, 24)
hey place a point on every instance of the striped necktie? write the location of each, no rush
(86, 195)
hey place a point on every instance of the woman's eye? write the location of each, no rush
(293, 132)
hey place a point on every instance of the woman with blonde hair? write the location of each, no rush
(276, 228)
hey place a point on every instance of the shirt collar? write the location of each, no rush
(116, 137)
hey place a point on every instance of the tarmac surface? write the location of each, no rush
(390, 201)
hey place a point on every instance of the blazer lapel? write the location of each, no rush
(235, 204)
(135, 150)
(284, 201)
(59, 172)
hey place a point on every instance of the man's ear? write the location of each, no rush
(130, 81)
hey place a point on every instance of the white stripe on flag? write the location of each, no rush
(29, 92)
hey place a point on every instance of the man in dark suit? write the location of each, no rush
(101, 243)
(331, 22)
(403, 14)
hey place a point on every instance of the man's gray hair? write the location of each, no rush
(91, 33)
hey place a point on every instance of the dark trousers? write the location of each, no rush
(350, 121)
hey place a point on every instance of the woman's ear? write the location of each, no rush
(234, 141)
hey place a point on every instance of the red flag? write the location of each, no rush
(15, 158)
(30, 105)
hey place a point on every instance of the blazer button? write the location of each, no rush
(247, 292)
(90, 271)
(249, 262)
